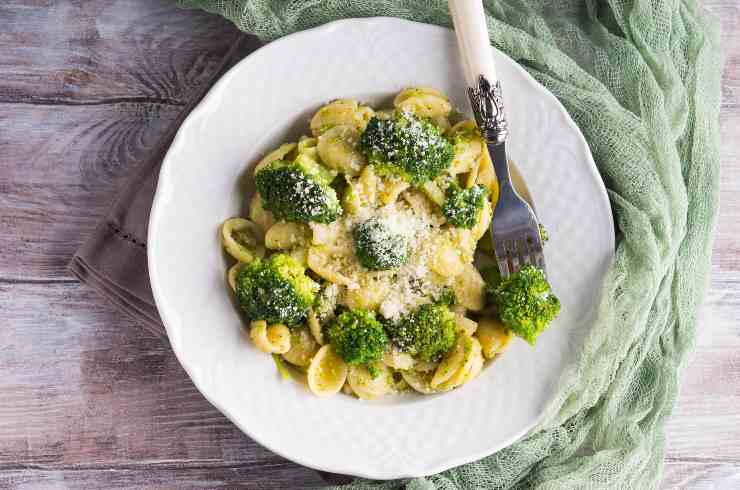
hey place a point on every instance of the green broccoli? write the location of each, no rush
(276, 290)
(525, 302)
(462, 206)
(428, 333)
(378, 247)
(298, 191)
(357, 337)
(404, 145)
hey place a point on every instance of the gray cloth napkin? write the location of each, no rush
(113, 259)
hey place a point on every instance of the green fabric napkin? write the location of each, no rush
(641, 78)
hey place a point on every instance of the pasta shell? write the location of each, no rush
(307, 146)
(472, 353)
(369, 294)
(241, 239)
(315, 327)
(465, 324)
(286, 235)
(446, 259)
(302, 347)
(389, 189)
(424, 102)
(259, 215)
(419, 381)
(231, 275)
(470, 288)
(398, 360)
(452, 362)
(272, 340)
(342, 112)
(337, 148)
(368, 387)
(327, 372)
(327, 262)
(494, 337)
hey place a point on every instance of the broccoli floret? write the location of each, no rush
(404, 145)
(378, 247)
(357, 337)
(525, 302)
(298, 191)
(428, 333)
(276, 290)
(462, 206)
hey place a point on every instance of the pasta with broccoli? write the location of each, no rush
(357, 264)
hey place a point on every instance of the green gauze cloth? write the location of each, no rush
(641, 78)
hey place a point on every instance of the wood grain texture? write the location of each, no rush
(89, 399)
(67, 163)
(160, 477)
(85, 390)
(92, 51)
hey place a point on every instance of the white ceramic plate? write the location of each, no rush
(267, 99)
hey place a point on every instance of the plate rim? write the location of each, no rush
(157, 206)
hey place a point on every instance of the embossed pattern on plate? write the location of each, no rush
(269, 97)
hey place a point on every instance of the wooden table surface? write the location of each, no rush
(88, 399)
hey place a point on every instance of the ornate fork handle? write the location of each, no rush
(488, 106)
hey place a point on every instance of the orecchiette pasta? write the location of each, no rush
(328, 262)
(446, 260)
(369, 293)
(390, 189)
(423, 101)
(484, 219)
(337, 148)
(231, 275)
(465, 324)
(286, 235)
(303, 347)
(241, 238)
(308, 146)
(419, 381)
(493, 336)
(274, 339)
(468, 147)
(259, 215)
(472, 351)
(324, 234)
(396, 359)
(470, 288)
(327, 372)
(315, 327)
(368, 386)
(434, 193)
(342, 112)
(352, 250)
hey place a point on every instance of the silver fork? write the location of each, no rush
(514, 229)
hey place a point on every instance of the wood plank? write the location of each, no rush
(62, 168)
(83, 387)
(91, 51)
(705, 425)
(690, 475)
(278, 476)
